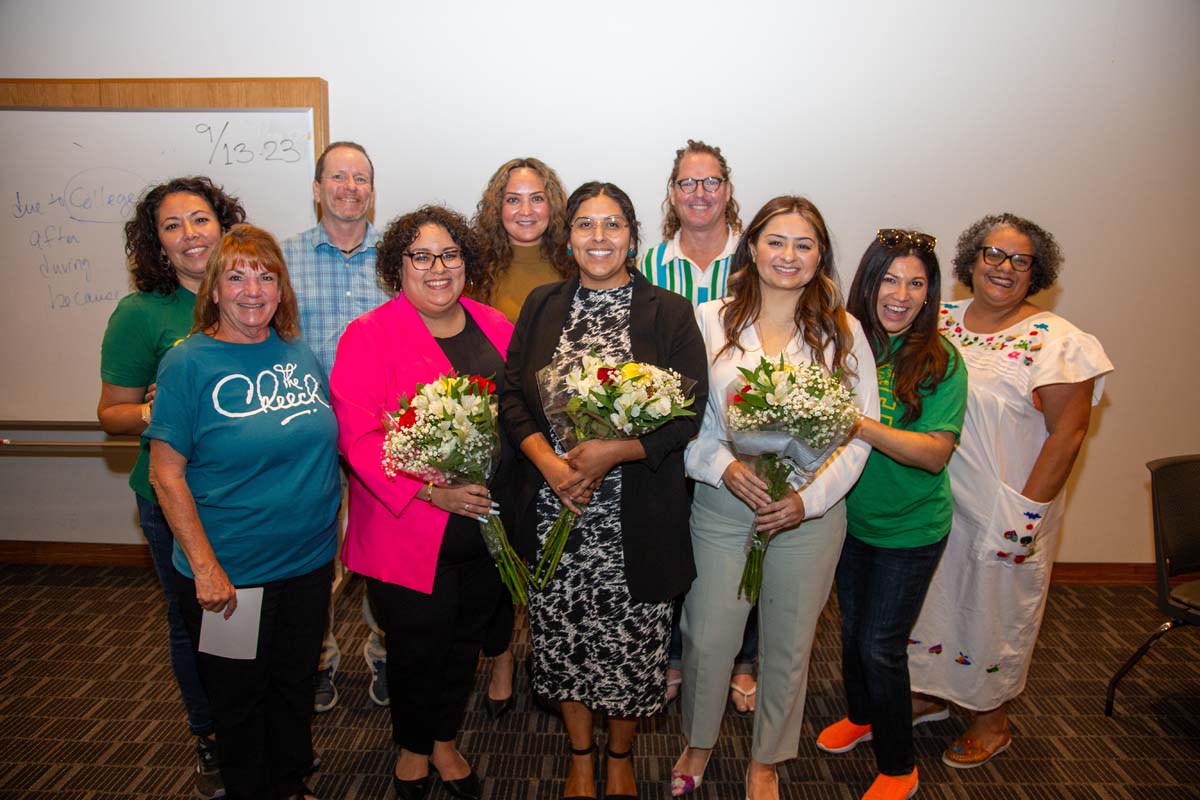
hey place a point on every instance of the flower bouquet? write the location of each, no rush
(598, 399)
(785, 418)
(446, 433)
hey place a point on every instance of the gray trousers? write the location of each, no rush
(797, 576)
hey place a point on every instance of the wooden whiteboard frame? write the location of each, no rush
(168, 93)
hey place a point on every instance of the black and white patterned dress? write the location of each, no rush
(591, 640)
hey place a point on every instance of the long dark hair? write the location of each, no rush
(820, 314)
(152, 272)
(920, 363)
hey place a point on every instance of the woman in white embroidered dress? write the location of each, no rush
(1034, 380)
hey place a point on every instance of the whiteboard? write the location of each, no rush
(69, 180)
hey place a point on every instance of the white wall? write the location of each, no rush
(1082, 115)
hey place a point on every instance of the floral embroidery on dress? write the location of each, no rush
(1021, 348)
(1027, 540)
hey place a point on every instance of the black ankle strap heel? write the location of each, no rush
(608, 752)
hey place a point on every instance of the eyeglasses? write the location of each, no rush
(711, 184)
(994, 257)
(894, 237)
(610, 224)
(422, 260)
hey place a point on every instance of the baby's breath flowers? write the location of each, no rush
(599, 399)
(788, 418)
(447, 433)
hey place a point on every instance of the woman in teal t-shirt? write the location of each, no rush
(899, 513)
(167, 242)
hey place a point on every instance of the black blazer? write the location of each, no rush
(654, 498)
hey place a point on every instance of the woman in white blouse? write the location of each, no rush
(784, 298)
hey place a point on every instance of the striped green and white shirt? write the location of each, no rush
(665, 266)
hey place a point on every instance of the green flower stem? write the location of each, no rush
(513, 572)
(776, 473)
(552, 549)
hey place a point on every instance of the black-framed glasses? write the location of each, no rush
(609, 224)
(895, 237)
(994, 257)
(422, 260)
(710, 184)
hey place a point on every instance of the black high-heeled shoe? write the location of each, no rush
(410, 790)
(587, 751)
(608, 753)
(498, 708)
(465, 788)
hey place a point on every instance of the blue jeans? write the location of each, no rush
(183, 658)
(880, 592)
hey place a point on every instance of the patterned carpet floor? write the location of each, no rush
(89, 710)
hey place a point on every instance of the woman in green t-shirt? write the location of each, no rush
(167, 243)
(899, 513)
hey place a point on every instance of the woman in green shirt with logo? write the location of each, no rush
(899, 513)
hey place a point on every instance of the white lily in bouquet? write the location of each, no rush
(785, 420)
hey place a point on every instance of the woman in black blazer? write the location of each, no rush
(600, 628)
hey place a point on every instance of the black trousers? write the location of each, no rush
(433, 642)
(262, 708)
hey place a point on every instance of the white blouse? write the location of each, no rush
(710, 453)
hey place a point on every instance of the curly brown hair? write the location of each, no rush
(495, 250)
(581, 195)
(1047, 255)
(404, 230)
(151, 270)
(820, 314)
(670, 224)
(257, 249)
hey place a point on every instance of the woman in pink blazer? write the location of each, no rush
(429, 576)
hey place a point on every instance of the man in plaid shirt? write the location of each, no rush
(332, 270)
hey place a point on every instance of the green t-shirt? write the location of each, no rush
(894, 505)
(142, 328)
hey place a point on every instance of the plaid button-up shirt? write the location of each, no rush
(331, 288)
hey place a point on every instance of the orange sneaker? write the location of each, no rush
(893, 787)
(843, 736)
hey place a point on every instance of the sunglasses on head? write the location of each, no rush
(895, 237)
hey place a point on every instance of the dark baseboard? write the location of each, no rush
(1106, 573)
(89, 554)
(94, 554)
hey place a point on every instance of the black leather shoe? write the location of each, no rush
(467, 788)
(411, 790)
(498, 708)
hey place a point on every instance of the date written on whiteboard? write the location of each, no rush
(227, 149)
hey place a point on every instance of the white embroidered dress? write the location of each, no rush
(974, 639)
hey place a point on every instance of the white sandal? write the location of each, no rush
(746, 695)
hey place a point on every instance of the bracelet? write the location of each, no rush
(146, 413)
(429, 492)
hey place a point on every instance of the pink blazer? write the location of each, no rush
(391, 535)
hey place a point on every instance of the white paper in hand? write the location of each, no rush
(236, 637)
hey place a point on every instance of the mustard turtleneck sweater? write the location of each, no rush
(529, 270)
